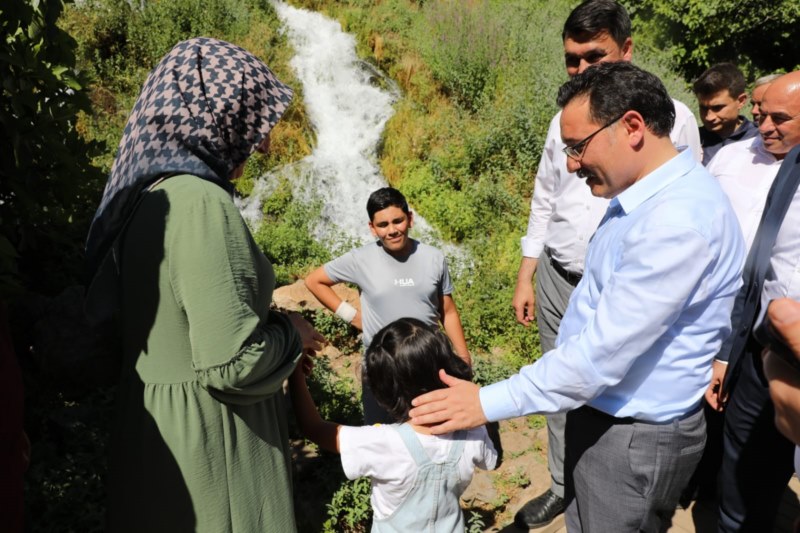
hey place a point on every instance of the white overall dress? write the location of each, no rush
(432, 504)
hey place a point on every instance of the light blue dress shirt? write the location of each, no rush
(654, 305)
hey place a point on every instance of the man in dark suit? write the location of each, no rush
(757, 459)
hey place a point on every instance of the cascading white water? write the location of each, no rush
(348, 112)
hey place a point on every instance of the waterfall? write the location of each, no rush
(348, 111)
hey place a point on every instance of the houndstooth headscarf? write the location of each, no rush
(203, 110)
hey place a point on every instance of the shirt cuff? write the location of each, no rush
(721, 361)
(497, 402)
(531, 247)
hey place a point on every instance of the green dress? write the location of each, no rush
(200, 442)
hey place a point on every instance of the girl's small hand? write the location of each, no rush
(306, 365)
(299, 374)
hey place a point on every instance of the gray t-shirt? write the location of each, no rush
(392, 289)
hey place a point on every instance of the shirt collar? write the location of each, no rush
(653, 183)
(757, 147)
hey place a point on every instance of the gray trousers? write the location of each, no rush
(627, 476)
(552, 297)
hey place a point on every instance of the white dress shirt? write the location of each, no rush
(783, 276)
(564, 214)
(745, 171)
(651, 310)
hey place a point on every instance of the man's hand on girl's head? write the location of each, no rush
(446, 410)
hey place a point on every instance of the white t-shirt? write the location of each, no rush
(379, 453)
(783, 276)
(745, 171)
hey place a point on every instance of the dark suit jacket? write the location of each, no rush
(746, 306)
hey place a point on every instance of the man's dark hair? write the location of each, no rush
(596, 16)
(403, 361)
(386, 197)
(720, 77)
(616, 87)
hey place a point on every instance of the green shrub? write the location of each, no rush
(760, 37)
(336, 396)
(48, 188)
(65, 484)
(286, 237)
(350, 511)
(488, 370)
(154, 30)
(337, 332)
(463, 43)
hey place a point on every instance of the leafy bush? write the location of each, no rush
(286, 235)
(464, 46)
(760, 37)
(155, 29)
(47, 185)
(65, 484)
(335, 396)
(336, 331)
(350, 510)
(488, 371)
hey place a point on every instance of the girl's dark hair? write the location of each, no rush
(403, 361)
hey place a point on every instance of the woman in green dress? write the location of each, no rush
(200, 440)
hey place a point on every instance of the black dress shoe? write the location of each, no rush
(540, 511)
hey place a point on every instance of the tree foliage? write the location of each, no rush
(761, 37)
(48, 188)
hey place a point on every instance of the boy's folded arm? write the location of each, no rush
(320, 285)
(321, 432)
(451, 321)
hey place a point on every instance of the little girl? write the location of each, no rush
(417, 478)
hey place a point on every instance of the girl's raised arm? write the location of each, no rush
(321, 432)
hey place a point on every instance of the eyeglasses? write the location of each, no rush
(575, 151)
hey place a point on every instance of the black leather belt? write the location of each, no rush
(570, 277)
(596, 413)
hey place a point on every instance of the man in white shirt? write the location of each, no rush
(745, 171)
(757, 459)
(564, 215)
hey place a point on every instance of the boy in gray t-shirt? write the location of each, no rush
(398, 277)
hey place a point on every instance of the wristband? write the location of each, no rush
(346, 312)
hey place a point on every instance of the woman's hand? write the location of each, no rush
(312, 340)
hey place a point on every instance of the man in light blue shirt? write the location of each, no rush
(633, 355)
